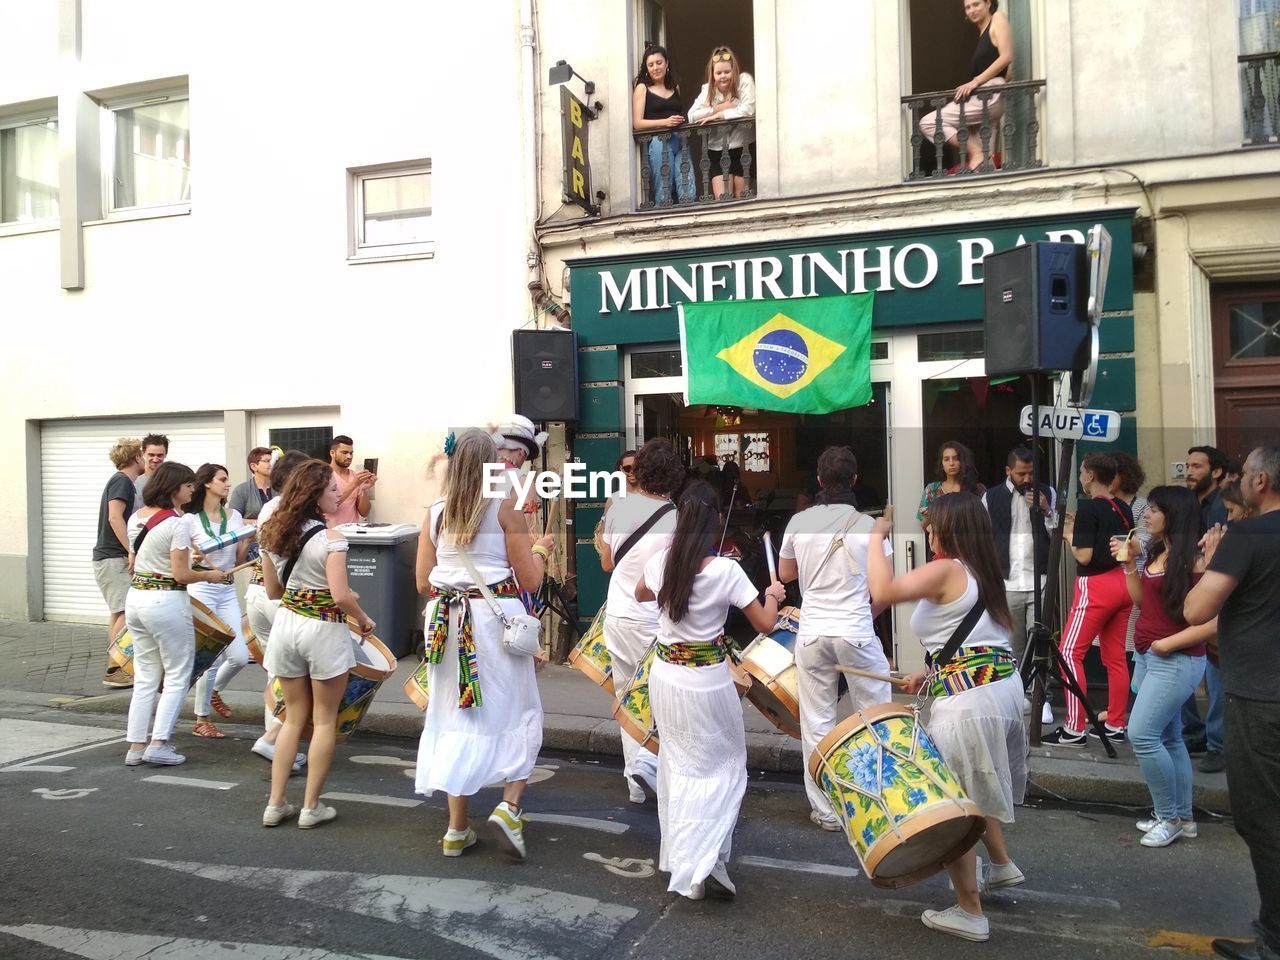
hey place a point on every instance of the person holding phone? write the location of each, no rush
(311, 648)
(354, 486)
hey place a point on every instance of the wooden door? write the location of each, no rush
(1246, 365)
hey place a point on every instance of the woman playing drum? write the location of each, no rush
(310, 651)
(158, 612)
(208, 516)
(976, 718)
(484, 720)
(702, 766)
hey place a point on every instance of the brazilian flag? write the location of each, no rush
(810, 355)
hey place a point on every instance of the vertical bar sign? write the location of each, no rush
(577, 171)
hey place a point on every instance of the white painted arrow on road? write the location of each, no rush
(107, 945)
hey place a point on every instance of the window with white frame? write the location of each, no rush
(391, 211)
(147, 151)
(29, 170)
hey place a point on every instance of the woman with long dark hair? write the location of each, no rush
(656, 111)
(956, 472)
(976, 717)
(1169, 657)
(208, 516)
(311, 651)
(702, 764)
(158, 612)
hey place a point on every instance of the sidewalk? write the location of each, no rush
(66, 661)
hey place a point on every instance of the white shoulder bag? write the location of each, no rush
(521, 633)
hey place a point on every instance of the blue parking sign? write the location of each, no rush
(1095, 424)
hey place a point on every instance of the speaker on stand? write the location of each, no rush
(544, 367)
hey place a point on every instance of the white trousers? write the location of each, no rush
(818, 681)
(222, 600)
(628, 641)
(164, 650)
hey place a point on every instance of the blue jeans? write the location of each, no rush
(1211, 726)
(1155, 729)
(676, 150)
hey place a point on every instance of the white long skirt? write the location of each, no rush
(980, 734)
(702, 768)
(464, 750)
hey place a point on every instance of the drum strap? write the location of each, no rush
(155, 519)
(293, 561)
(641, 530)
(961, 634)
(837, 543)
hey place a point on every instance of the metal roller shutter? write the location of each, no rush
(74, 469)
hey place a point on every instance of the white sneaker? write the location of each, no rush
(696, 892)
(510, 827)
(999, 875)
(455, 841)
(163, 755)
(718, 881)
(1162, 834)
(958, 923)
(274, 816)
(268, 752)
(1046, 714)
(1189, 831)
(635, 792)
(826, 823)
(314, 816)
(133, 758)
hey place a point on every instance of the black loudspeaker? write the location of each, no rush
(544, 366)
(1037, 299)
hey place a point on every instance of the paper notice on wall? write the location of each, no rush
(755, 453)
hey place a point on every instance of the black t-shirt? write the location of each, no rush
(1097, 521)
(1249, 623)
(119, 487)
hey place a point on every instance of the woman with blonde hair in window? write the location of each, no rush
(729, 93)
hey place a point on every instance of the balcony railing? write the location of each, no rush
(677, 167)
(1260, 92)
(1009, 139)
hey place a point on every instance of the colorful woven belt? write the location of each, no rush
(255, 574)
(972, 668)
(438, 634)
(316, 604)
(155, 581)
(693, 654)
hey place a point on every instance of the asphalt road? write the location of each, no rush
(111, 863)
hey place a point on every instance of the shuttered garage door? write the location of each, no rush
(75, 467)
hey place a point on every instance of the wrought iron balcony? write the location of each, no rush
(677, 166)
(1009, 138)
(1260, 93)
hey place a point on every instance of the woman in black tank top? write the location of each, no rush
(991, 62)
(656, 110)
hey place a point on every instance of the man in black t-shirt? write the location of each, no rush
(1242, 589)
(111, 550)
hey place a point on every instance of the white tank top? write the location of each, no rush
(487, 552)
(934, 623)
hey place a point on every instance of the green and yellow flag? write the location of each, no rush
(810, 355)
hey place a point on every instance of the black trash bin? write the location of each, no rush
(380, 566)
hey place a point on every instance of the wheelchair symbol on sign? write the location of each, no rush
(1095, 424)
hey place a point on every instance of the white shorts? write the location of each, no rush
(303, 646)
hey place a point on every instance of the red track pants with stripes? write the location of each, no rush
(1100, 609)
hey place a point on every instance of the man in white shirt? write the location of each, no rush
(1018, 542)
(630, 627)
(825, 547)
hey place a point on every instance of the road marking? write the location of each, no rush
(1199, 944)
(71, 793)
(630, 868)
(378, 760)
(587, 823)
(189, 782)
(372, 798)
(799, 866)
(1069, 900)
(25, 768)
(498, 919)
(40, 741)
(106, 945)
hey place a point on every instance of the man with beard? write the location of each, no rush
(1206, 468)
(353, 486)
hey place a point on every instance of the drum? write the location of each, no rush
(415, 688)
(903, 810)
(374, 663)
(632, 710)
(591, 656)
(212, 637)
(120, 653)
(256, 651)
(771, 662)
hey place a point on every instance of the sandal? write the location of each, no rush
(222, 709)
(205, 728)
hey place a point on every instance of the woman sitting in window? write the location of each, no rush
(656, 110)
(728, 94)
(992, 58)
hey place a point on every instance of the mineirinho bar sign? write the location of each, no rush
(921, 277)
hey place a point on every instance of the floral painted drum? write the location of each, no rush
(591, 656)
(374, 663)
(903, 810)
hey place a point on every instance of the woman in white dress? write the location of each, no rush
(702, 765)
(483, 724)
(208, 516)
(311, 649)
(976, 717)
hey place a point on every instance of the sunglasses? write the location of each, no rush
(628, 469)
(721, 56)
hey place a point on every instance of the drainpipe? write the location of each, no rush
(530, 134)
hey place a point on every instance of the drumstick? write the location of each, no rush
(768, 555)
(551, 517)
(896, 681)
